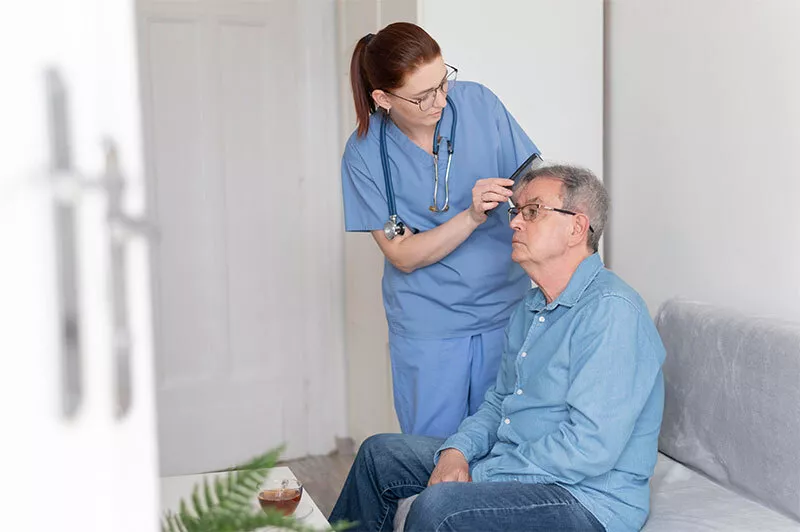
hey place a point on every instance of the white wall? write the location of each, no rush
(369, 386)
(544, 58)
(703, 134)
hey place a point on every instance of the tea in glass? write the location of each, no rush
(281, 494)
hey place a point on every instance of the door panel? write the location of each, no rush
(243, 300)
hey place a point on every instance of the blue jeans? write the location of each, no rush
(390, 467)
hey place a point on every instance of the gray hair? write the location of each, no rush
(582, 192)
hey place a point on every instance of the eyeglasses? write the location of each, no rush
(531, 211)
(426, 101)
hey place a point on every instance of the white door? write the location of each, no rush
(76, 394)
(241, 116)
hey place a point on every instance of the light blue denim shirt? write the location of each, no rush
(578, 399)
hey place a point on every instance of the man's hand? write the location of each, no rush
(452, 467)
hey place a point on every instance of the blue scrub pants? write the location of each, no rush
(438, 383)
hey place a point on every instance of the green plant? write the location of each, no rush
(226, 504)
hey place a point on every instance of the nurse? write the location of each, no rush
(449, 284)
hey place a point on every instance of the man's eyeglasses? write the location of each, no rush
(426, 101)
(531, 211)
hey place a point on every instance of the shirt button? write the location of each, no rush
(506, 421)
(519, 392)
(541, 319)
(523, 355)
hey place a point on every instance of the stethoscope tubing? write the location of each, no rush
(387, 171)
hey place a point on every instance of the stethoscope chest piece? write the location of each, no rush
(393, 227)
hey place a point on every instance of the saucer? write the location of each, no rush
(303, 510)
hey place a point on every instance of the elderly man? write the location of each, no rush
(566, 439)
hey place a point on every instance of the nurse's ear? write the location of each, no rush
(382, 100)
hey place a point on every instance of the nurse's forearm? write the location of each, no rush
(413, 251)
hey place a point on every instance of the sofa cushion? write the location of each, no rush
(686, 501)
(732, 400)
(403, 506)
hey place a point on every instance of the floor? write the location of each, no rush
(323, 476)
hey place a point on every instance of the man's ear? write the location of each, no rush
(580, 229)
(382, 99)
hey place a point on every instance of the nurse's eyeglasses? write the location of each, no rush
(426, 101)
(531, 211)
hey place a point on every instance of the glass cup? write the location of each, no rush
(281, 494)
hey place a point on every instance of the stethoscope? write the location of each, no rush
(394, 226)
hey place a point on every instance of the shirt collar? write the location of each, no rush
(584, 274)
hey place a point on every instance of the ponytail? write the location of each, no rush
(383, 61)
(362, 92)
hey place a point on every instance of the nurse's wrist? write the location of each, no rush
(474, 218)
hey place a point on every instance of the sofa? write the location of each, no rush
(729, 447)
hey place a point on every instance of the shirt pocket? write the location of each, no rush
(545, 382)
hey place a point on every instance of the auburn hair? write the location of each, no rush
(383, 60)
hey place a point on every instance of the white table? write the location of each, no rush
(173, 489)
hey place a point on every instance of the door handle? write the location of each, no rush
(68, 186)
(66, 244)
(122, 230)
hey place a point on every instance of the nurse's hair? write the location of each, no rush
(581, 192)
(383, 60)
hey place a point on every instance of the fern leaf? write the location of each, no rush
(227, 506)
(178, 524)
(166, 523)
(197, 504)
(220, 487)
(209, 498)
(172, 523)
(186, 519)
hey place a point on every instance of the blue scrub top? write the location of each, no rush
(475, 288)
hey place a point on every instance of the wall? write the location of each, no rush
(544, 58)
(369, 381)
(703, 131)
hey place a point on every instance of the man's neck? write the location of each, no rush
(553, 276)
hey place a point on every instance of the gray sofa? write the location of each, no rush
(730, 439)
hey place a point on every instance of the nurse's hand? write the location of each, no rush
(488, 194)
(452, 467)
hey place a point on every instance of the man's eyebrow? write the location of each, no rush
(537, 199)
